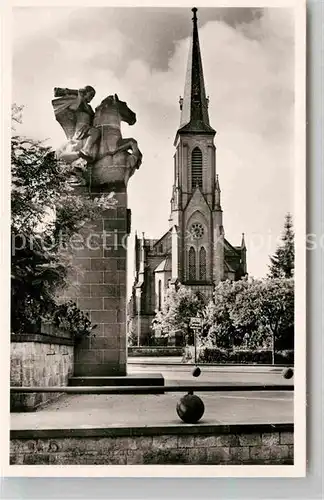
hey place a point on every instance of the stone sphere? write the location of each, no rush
(288, 373)
(196, 371)
(190, 408)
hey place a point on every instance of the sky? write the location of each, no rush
(141, 54)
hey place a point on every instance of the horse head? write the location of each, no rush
(126, 114)
(113, 102)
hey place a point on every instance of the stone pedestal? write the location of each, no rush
(100, 288)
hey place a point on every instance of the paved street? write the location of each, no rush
(136, 410)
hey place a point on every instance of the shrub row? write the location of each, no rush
(245, 356)
(154, 351)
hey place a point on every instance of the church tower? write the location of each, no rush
(194, 251)
(196, 213)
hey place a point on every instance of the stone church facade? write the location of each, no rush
(194, 251)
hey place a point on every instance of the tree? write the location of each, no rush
(282, 262)
(221, 326)
(271, 301)
(177, 309)
(260, 310)
(45, 214)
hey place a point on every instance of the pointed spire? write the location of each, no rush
(243, 246)
(217, 186)
(136, 255)
(194, 105)
(217, 193)
(142, 254)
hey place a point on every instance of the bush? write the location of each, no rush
(70, 318)
(245, 356)
(213, 355)
(154, 351)
(285, 357)
(158, 341)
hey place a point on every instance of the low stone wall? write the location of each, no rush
(39, 360)
(202, 444)
(152, 351)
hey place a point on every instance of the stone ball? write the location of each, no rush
(190, 408)
(196, 371)
(288, 373)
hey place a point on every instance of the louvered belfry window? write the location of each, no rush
(196, 169)
(192, 264)
(202, 264)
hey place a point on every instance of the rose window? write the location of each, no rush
(197, 230)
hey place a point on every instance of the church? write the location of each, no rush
(194, 251)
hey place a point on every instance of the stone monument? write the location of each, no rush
(102, 162)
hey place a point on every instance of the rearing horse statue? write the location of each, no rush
(95, 146)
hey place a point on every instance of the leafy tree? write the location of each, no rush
(177, 309)
(221, 326)
(282, 262)
(252, 312)
(271, 301)
(45, 214)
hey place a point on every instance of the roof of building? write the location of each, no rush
(165, 265)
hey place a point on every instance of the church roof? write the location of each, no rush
(194, 106)
(228, 267)
(230, 250)
(164, 266)
(156, 242)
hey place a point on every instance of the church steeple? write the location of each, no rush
(194, 105)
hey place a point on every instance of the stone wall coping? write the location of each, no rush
(42, 338)
(187, 429)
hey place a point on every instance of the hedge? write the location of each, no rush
(245, 356)
(154, 351)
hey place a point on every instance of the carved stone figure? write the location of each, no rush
(95, 146)
(75, 115)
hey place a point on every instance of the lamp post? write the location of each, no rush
(195, 324)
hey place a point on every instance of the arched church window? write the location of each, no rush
(192, 264)
(196, 169)
(159, 295)
(202, 264)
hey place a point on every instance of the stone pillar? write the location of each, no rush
(106, 162)
(101, 288)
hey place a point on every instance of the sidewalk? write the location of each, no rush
(92, 411)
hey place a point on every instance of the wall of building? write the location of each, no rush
(39, 360)
(198, 444)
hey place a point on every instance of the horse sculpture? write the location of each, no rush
(95, 148)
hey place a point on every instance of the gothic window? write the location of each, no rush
(196, 169)
(159, 295)
(192, 264)
(202, 264)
